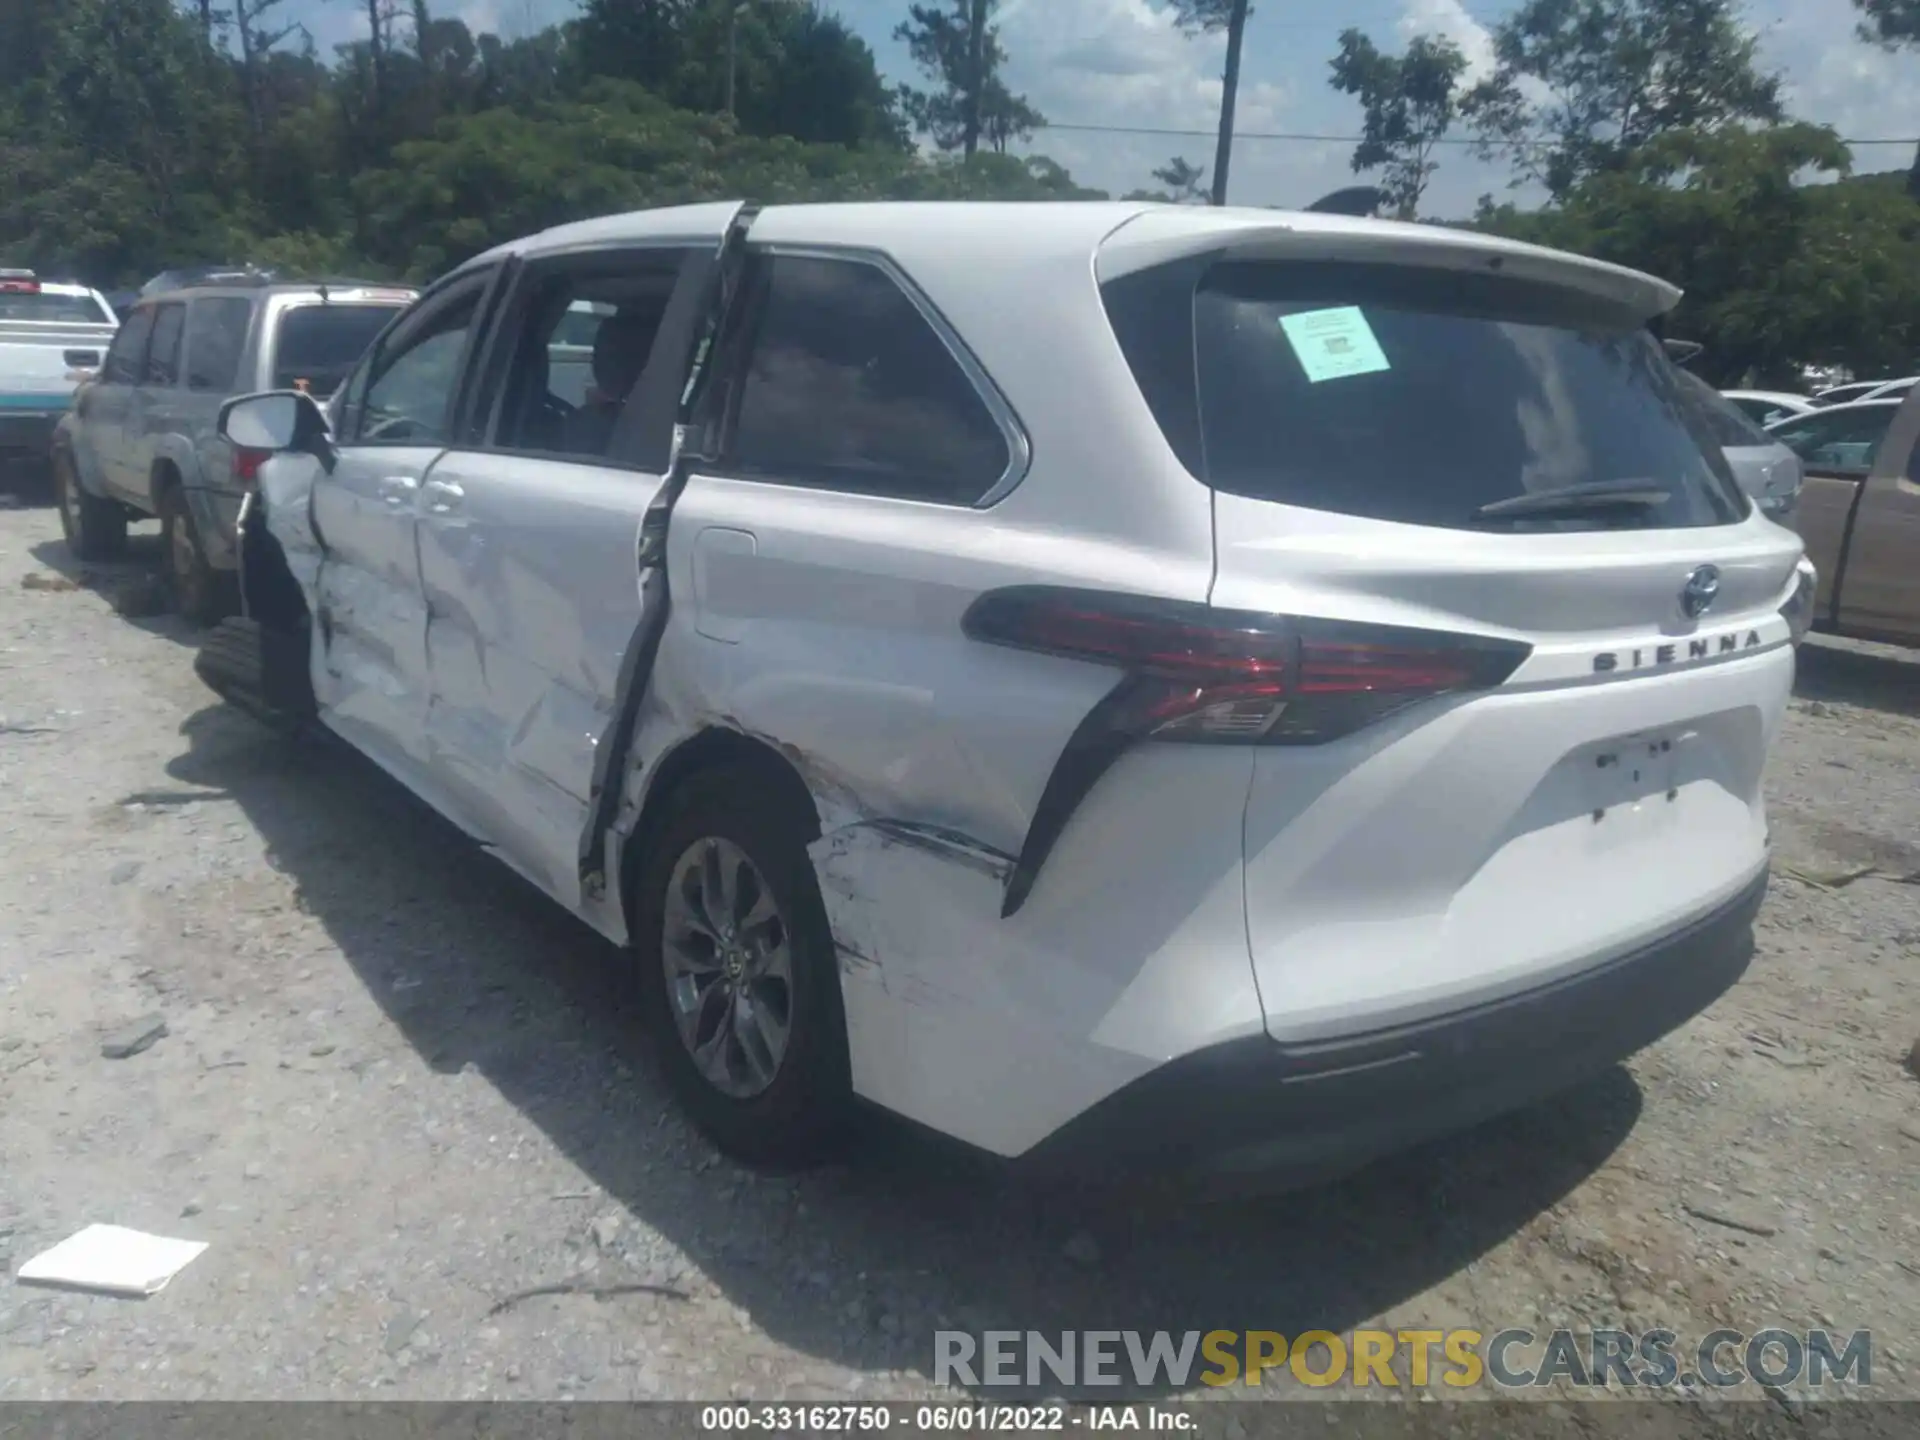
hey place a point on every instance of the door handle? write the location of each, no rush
(398, 490)
(443, 496)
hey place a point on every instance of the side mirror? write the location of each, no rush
(278, 420)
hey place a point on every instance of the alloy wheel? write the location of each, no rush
(726, 949)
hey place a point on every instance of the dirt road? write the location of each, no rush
(400, 1096)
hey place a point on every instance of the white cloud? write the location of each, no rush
(1449, 18)
(1126, 63)
(1835, 78)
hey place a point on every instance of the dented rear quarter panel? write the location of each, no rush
(832, 633)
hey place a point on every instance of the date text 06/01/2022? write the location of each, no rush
(960, 1418)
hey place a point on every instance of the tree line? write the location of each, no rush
(140, 134)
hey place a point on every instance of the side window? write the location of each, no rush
(127, 357)
(1846, 441)
(163, 351)
(411, 381)
(582, 335)
(847, 386)
(216, 334)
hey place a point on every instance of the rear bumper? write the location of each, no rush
(1309, 1112)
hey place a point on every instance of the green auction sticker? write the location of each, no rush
(1332, 344)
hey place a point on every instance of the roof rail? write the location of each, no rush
(351, 282)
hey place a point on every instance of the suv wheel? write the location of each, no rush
(96, 529)
(200, 593)
(740, 987)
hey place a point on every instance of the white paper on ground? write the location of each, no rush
(113, 1260)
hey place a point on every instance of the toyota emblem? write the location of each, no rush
(1700, 591)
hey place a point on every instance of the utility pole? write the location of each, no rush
(733, 28)
(976, 72)
(1229, 91)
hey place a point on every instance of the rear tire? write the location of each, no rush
(779, 972)
(201, 594)
(95, 529)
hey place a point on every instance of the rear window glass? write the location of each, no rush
(1725, 421)
(52, 309)
(1414, 396)
(319, 344)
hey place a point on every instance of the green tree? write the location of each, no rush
(1185, 181)
(490, 177)
(1615, 74)
(639, 40)
(827, 87)
(1889, 22)
(790, 68)
(117, 136)
(1408, 103)
(1209, 17)
(141, 134)
(258, 26)
(957, 47)
(1893, 23)
(1778, 274)
(781, 67)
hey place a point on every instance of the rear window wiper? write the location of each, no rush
(1596, 498)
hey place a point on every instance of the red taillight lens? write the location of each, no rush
(246, 465)
(1198, 673)
(19, 287)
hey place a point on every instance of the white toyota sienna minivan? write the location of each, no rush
(1114, 683)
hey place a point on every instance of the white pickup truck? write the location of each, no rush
(52, 336)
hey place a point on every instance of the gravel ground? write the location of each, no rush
(399, 1093)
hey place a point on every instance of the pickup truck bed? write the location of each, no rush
(37, 381)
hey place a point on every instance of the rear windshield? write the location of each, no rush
(1725, 421)
(1413, 396)
(319, 343)
(53, 309)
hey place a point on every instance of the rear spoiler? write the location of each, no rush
(1160, 235)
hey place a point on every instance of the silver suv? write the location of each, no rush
(141, 438)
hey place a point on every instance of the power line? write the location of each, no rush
(1304, 135)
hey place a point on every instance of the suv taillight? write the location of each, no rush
(246, 465)
(1798, 611)
(1197, 673)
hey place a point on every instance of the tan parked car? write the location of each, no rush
(1860, 514)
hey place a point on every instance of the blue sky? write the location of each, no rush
(1122, 62)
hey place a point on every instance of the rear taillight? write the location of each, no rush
(246, 465)
(1798, 611)
(1197, 673)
